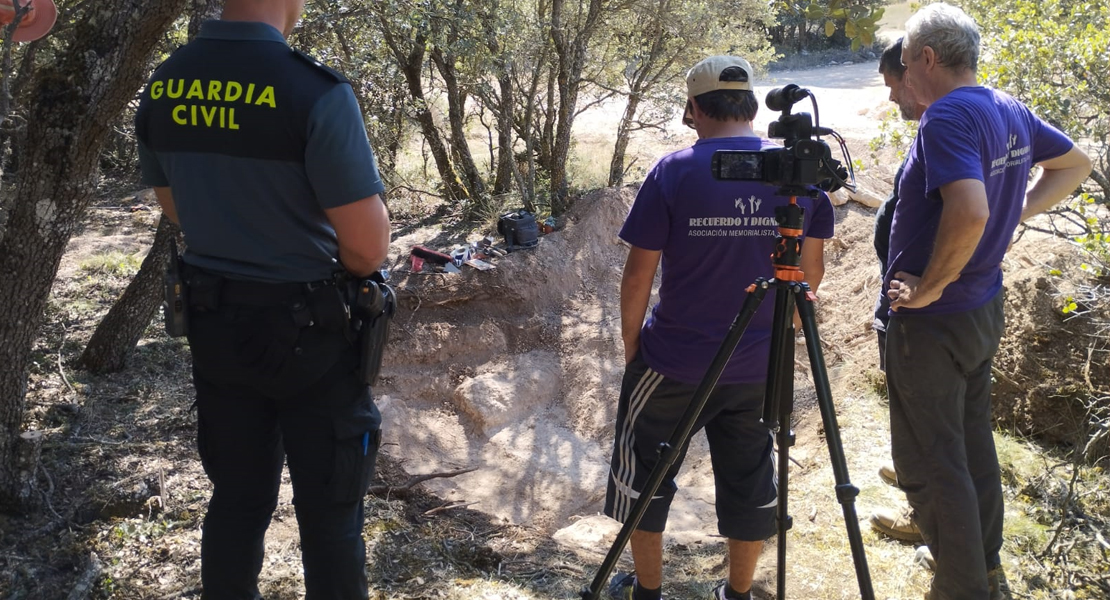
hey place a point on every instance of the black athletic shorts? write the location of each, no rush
(740, 446)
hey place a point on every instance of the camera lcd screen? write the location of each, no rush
(738, 165)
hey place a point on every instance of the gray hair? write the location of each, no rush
(949, 31)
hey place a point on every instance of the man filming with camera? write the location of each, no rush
(963, 191)
(713, 238)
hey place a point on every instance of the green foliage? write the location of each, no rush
(894, 132)
(646, 51)
(1053, 55)
(857, 19)
(1095, 241)
(1083, 221)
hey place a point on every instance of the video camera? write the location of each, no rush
(801, 165)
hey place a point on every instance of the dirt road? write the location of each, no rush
(851, 98)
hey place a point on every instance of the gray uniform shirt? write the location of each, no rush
(255, 140)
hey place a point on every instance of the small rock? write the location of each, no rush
(592, 533)
(506, 393)
(865, 197)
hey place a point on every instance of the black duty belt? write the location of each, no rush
(211, 290)
(255, 293)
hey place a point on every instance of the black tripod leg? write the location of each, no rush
(680, 436)
(845, 492)
(778, 405)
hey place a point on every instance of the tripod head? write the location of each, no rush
(787, 258)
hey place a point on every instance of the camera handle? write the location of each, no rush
(790, 291)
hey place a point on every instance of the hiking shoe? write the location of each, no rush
(1000, 588)
(925, 558)
(898, 525)
(620, 587)
(888, 475)
(719, 592)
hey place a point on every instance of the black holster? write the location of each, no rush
(373, 308)
(175, 308)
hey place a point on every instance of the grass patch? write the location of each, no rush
(875, 380)
(114, 263)
(588, 166)
(1019, 460)
(1022, 533)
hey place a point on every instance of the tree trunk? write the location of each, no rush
(1099, 177)
(410, 59)
(118, 333)
(506, 164)
(120, 330)
(547, 137)
(645, 76)
(527, 133)
(570, 53)
(527, 126)
(75, 99)
(201, 11)
(456, 118)
(624, 129)
(452, 185)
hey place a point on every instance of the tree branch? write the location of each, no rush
(385, 490)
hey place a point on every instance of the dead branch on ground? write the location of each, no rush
(447, 506)
(84, 586)
(388, 490)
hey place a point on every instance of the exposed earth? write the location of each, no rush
(512, 373)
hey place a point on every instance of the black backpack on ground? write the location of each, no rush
(519, 229)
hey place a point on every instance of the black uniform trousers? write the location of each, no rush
(938, 371)
(273, 385)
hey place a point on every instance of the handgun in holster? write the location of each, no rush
(374, 305)
(175, 307)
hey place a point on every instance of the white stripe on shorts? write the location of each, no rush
(626, 473)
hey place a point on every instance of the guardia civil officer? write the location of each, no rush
(260, 154)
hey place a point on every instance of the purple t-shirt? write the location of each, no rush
(971, 133)
(717, 237)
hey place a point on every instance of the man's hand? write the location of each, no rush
(165, 200)
(906, 292)
(963, 219)
(631, 346)
(639, 274)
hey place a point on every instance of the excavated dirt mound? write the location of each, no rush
(513, 370)
(1050, 365)
(516, 371)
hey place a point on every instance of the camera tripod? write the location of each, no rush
(791, 291)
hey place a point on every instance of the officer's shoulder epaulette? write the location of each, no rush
(332, 73)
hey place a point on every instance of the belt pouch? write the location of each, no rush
(329, 308)
(205, 289)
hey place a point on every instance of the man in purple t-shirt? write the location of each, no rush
(963, 191)
(713, 238)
